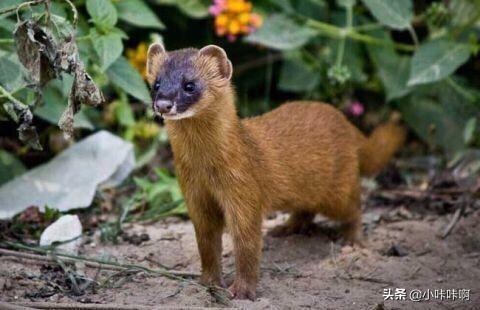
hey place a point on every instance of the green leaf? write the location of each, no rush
(469, 131)
(108, 47)
(9, 3)
(124, 113)
(54, 105)
(462, 11)
(137, 13)
(393, 71)
(123, 75)
(191, 8)
(315, 9)
(436, 60)
(10, 167)
(7, 24)
(433, 124)
(396, 14)
(103, 13)
(10, 74)
(281, 32)
(297, 76)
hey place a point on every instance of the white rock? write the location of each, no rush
(67, 227)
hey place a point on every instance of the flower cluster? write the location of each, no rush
(234, 18)
(138, 58)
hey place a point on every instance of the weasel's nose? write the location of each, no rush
(163, 106)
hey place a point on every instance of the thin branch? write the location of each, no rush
(18, 104)
(93, 262)
(75, 13)
(29, 4)
(337, 32)
(452, 223)
(16, 7)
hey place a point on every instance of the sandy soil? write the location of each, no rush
(298, 271)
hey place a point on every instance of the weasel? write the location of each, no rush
(303, 157)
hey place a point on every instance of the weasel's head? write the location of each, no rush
(184, 82)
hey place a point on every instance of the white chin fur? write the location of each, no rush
(177, 116)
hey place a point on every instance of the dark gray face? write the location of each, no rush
(176, 87)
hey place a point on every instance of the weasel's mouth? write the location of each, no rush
(169, 114)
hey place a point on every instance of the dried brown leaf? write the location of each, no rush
(36, 51)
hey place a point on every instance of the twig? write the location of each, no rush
(75, 13)
(366, 279)
(9, 306)
(96, 263)
(16, 7)
(452, 223)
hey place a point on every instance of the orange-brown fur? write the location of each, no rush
(303, 157)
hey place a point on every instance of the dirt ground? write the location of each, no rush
(404, 251)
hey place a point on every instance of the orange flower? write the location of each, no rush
(138, 58)
(234, 18)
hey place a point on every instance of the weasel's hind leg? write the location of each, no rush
(299, 222)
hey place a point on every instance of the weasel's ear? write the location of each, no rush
(153, 56)
(224, 64)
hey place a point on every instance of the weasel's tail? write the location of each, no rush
(380, 146)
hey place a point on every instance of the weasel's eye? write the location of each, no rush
(189, 87)
(156, 86)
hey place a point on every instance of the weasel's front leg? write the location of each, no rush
(244, 221)
(209, 223)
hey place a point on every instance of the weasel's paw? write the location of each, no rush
(242, 290)
(287, 230)
(211, 280)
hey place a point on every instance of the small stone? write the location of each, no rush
(66, 228)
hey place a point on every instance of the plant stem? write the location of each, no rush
(18, 104)
(413, 34)
(6, 41)
(337, 32)
(341, 44)
(368, 27)
(172, 274)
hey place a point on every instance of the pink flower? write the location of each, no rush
(218, 7)
(356, 108)
(214, 10)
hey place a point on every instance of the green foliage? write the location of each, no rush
(396, 14)
(341, 55)
(151, 201)
(107, 46)
(124, 76)
(281, 32)
(436, 60)
(10, 166)
(138, 13)
(103, 12)
(192, 8)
